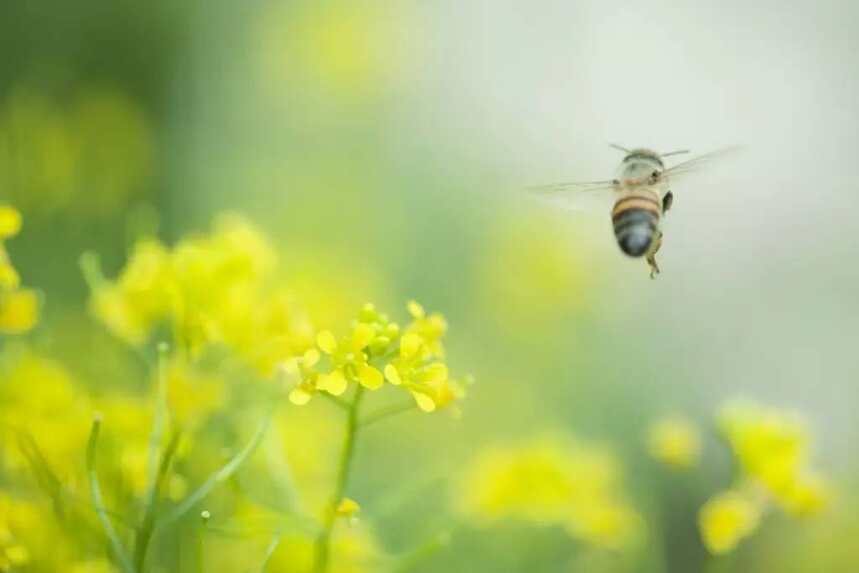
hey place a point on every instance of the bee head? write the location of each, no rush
(641, 166)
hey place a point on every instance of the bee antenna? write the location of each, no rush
(618, 147)
(678, 152)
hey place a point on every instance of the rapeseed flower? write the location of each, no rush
(674, 441)
(728, 518)
(204, 288)
(192, 395)
(43, 402)
(19, 308)
(375, 351)
(553, 482)
(771, 448)
(350, 357)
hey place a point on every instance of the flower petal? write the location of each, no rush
(435, 373)
(291, 372)
(369, 377)
(410, 345)
(416, 310)
(393, 375)
(334, 382)
(327, 342)
(362, 335)
(424, 402)
(299, 397)
(311, 358)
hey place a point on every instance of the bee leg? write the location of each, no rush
(654, 268)
(651, 255)
(667, 201)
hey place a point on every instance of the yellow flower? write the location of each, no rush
(726, 519)
(675, 442)
(430, 328)
(808, 495)
(44, 402)
(191, 395)
(349, 357)
(385, 332)
(607, 524)
(772, 448)
(140, 298)
(419, 366)
(205, 288)
(19, 311)
(553, 481)
(304, 380)
(348, 508)
(427, 381)
(19, 308)
(9, 279)
(10, 222)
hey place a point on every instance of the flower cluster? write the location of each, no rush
(552, 481)
(19, 307)
(772, 455)
(375, 350)
(209, 289)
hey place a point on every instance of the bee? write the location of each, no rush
(642, 196)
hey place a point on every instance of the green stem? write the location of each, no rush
(147, 525)
(269, 551)
(323, 541)
(219, 476)
(98, 503)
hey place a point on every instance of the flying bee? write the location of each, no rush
(642, 196)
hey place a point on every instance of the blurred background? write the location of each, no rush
(383, 149)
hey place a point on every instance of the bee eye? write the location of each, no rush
(655, 175)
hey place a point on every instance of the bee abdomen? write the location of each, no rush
(636, 219)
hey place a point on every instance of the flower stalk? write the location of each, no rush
(323, 541)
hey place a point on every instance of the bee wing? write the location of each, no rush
(692, 165)
(577, 195)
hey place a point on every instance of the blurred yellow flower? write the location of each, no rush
(15, 519)
(771, 447)
(192, 395)
(338, 49)
(209, 288)
(19, 311)
(35, 537)
(553, 481)
(19, 308)
(348, 508)
(10, 222)
(674, 441)
(92, 155)
(140, 297)
(726, 519)
(42, 401)
(772, 454)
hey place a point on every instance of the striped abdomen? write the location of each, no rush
(636, 220)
